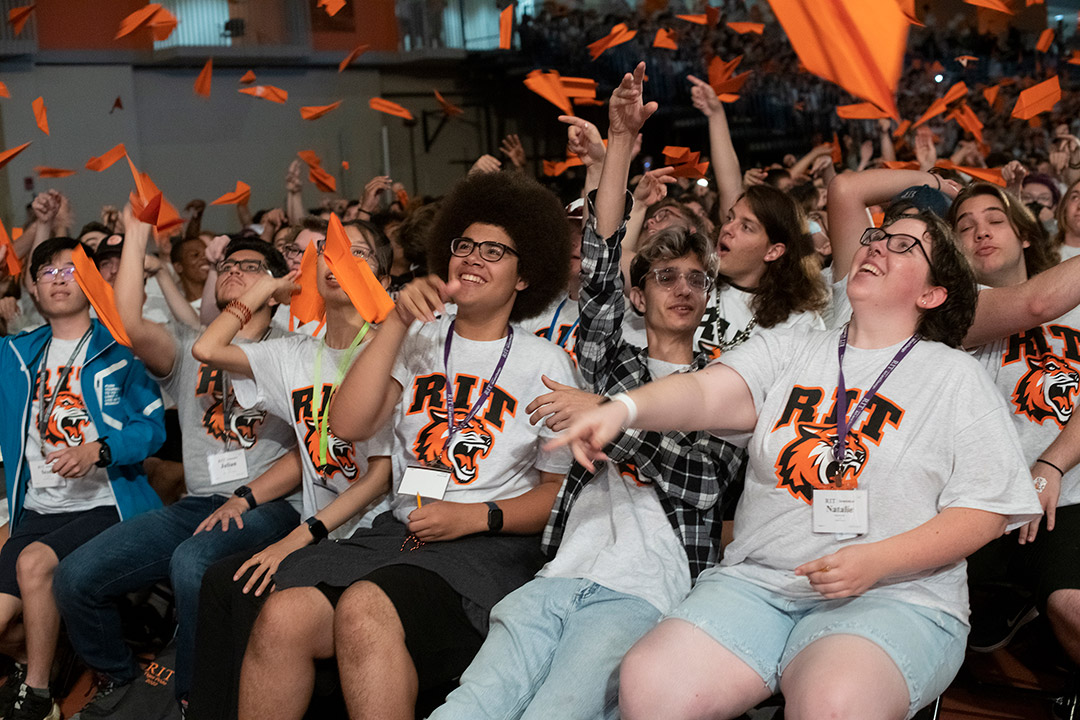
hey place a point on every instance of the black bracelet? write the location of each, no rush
(1044, 462)
(245, 492)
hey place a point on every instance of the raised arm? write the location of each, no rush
(888, 149)
(294, 199)
(626, 115)
(178, 305)
(725, 162)
(215, 253)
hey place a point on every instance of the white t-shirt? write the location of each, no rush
(557, 323)
(937, 435)
(1068, 251)
(284, 370)
(1038, 373)
(499, 454)
(69, 425)
(619, 536)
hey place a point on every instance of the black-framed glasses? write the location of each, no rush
(292, 251)
(489, 249)
(697, 280)
(358, 252)
(898, 243)
(249, 267)
(51, 274)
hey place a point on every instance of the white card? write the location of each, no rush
(42, 476)
(427, 482)
(841, 511)
(226, 467)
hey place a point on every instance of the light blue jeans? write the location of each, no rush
(553, 651)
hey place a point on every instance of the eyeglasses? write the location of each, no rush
(360, 253)
(896, 242)
(291, 251)
(249, 267)
(51, 274)
(489, 249)
(697, 280)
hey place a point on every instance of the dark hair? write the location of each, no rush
(413, 233)
(1039, 255)
(792, 282)
(1047, 182)
(670, 244)
(384, 254)
(45, 252)
(949, 322)
(773, 176)
(692, 217)
(530, 214)
(806, 196)
(178, 246)
(1059, 239)
(275, 261)
(94, 226)
(315, 224)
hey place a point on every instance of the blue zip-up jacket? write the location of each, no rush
(124, 403)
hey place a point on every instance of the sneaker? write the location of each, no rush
(995, 628)
(109, 694)
(31, 706)
(1064, 707)
(9, 691)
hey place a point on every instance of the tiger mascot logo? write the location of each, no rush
(339, 454)
(69, 418)
(629, 472)
(1047, 390)
(241, 423)
(471, 443)
(806, 463)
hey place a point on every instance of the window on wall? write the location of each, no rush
(462, 24)
(236, 23)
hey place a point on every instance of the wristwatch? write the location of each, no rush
(104, 453)
(245, 492)
(317, 529)
(495, 518)
(1040, 484)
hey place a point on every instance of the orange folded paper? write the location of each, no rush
(239, 196)
(344, 164)
(322, 179)
(665, 39)
(118, 104)
(4, 92)
(390, 108)
(331, 6)
(702, 19)
(991, 175)
(901, 165)
(857, 44)
(51, 172)
(97, 164)
(901, 129)
(966, 118)
(991, 5)
(308, 305)
(310, 158)
(1034, 2)
(965, 59)
(7, 155)
(940, 105)
(18, 17)
(747, 27)
(721, 80)
(160, 21)
(861, 111)
(202, 83)
(353, 54)
(355, 277)
(247, 78)
(684, 163)
(1046, 39)
(618, 35)
(313, 112)
(548, 85)
(267, 92)
(558, 167)
(100, 294)
(150, 205)
(1074, 60)
(991, 94)
(837, 151)
(448, 107)
(1037, 99)
(11, 260)
(41, 116)
(506, 27)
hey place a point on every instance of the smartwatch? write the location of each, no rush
(245, 492)
(104, 454)
(317, 529)
(495, 518)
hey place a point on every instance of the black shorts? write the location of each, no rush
(63, 532)
(440, 639)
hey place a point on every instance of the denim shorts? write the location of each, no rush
(766, 630)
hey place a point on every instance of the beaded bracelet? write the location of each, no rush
(240, 310)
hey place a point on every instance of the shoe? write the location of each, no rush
(995, 628)
(109, 694)
(1065, 707)
(31, 706)
(9, 691)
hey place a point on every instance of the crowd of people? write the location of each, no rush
(659, 449)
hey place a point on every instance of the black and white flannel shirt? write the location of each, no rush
(691, 471)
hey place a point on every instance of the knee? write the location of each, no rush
(1064, 606)
(829, 700)
(286, 620)
(366, 615)
(186, 569)
(35, 565)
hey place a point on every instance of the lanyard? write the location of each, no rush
(322, 420)
(453, 426)
(843, 423)
(45, 411)
(553, 328)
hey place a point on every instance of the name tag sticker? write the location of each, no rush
(226, 467)
(42, 476)
(426, 482)
(841, 511)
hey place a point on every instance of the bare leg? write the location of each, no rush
(12, 633)
(1063, 609)
(678, 672)
(34, 570)
(378, 677)
(294, 629)
(844, 676)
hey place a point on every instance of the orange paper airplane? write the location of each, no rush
(708, 18)
(997, 5)
(160, 21)
(506, 27)
(991, 94)
(310, 158)
(665, 39)
(353, 54)
(202, 83)
(908, 8)
(307, 305)
(7, 155)
(248, 78)
(344, 164)
(354, 275)
(11, 259)
(1046, 39)
(313, 112)
(618, 35)
(448, 108)
(239, 196)
(118, 104)
(858, 44)
(684, 163)
(99, 293)
(150, 205)
(901, 129)
(4, 92)
(97, 164)
(1037, 99)
(991, 175)
(1074, 60)
(721, 78)
(747, 27)
(966, 118)
(18, 17)
(1033, 2)
(51, 172)
(548, 85)
(322, 179)
(41, 116)
(940, 105)
(965, 59)
(861, 111)
(390, 108)
(331, 6)
(267, 92)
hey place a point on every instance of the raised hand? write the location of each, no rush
(653, 186)
(583, 139)
(423, 298)
(377, 185)
(704, 97)
(486, 164)
(512, 148)
(626, 112)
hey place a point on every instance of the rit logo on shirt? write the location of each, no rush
(242, 422)
(340, 455)
(806, 462)
(1047, 391)
(69, 417)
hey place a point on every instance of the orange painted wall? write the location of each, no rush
(82, 25)
(376, 25)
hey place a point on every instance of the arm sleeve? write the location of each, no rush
(267, 384)
(144, 428)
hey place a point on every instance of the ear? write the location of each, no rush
(637, 299)
(933, 298)
(522, 283)
(384, 280)
(775, 251)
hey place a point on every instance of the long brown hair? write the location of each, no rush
(1039, 254)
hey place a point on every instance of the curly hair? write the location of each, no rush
(413, 232)
(530, 214)
(791, 283)
(1039, 255)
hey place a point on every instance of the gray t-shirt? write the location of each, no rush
(937, 435)
(208, 430)
(557, 323)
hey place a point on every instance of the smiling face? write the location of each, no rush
(744, 248)
(675, 309)
(990, 242)
(486, 285)
(58, 297)
(192, 264)
(880, 276)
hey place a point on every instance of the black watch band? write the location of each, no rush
(104, 453)
(245, 492)
(317, 529)
(495, 518)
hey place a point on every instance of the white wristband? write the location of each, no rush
(631, 408)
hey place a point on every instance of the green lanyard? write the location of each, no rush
(322, 420)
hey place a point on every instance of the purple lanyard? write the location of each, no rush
(843, 423)
(488, 388)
